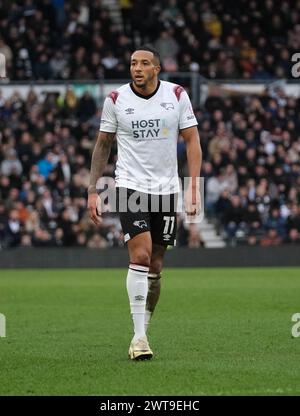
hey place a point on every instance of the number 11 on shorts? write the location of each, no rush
(169, 222)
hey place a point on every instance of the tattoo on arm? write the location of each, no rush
(99, 158)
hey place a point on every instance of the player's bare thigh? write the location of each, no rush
(140, 249)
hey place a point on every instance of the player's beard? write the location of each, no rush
(140, 84)
(143, 83)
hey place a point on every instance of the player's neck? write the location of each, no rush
(147, 89)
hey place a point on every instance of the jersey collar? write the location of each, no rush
(146, 97)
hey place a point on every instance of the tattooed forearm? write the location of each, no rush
(99, 158)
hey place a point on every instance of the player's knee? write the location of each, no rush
(156, 265)
(141, 257)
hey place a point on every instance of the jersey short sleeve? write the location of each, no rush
(108, 117)
(186, 113)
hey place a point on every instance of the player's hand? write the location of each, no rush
(192, 201)
(94, 204)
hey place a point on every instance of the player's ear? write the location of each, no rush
(158, 69)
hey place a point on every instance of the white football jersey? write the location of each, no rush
(147, 130)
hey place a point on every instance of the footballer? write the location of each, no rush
(145, 117)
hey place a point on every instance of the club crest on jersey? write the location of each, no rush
(129, 111)
(140, 224)
(167, 106)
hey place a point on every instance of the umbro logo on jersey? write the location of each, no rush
(140, 224)
(129, 111)
(167, 106)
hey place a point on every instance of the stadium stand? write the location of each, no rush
(57, 39)
(251, 149)
(251, 143)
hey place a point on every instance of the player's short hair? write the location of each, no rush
(150, 48)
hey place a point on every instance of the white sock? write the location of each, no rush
(137, 288)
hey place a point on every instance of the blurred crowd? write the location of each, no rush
(251, 149)
(65, 39)
(46, 144)
(45, 153)
(251, 165)
(251, 143)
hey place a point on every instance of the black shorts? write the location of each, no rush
(140, 212)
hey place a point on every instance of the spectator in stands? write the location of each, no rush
(271, 239)
(293, 237)
(293, 220)
(46, 165)
(58, 66)
(96, 241)
(12, 231)
(252, 240)
(166, 46)
(215, 185)
(252, 218)
(26, 240)
(86, 107)
(42, 238)
(11, 164)
(276, 222)
(234, 217)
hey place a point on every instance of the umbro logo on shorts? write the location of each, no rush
(166, 237)
(140, 224)
(168, 106)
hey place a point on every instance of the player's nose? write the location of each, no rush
(138, 67)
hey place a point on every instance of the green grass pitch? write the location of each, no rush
(215, 332)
